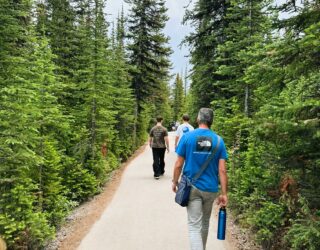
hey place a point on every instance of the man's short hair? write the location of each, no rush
(205, 116)
(185, 117)
(159, 119)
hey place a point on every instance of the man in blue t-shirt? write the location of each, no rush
(193, 150)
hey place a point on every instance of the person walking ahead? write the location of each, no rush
(193, 150)
(182, 129)
(159, 142)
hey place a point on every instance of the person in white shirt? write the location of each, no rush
(183, 128)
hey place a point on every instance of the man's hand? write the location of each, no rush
(177, 172)
(167, 149)
(174, 186)
(223, 200)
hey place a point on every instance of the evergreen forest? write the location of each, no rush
(257, 64)
(78, 95)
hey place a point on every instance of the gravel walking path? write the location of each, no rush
(143, 215)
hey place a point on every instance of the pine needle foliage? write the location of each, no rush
(22, 223)
(263, 83)
(149, 56)
(66, 113)
(178, 101)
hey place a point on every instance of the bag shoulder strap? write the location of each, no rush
(204, 166)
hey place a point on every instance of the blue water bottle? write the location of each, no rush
(222, 221)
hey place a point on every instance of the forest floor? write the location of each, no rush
(80, 221)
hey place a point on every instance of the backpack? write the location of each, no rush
(185, 130)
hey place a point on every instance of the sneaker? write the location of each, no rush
(157, 177)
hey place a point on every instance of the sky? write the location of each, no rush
(174, 29)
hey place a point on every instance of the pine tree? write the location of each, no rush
(178, 98)
(123, 100)
(149, 55)
(281, 150)
(247, 31)
(57, 20)
(209, 21)
(148, 48)
(52, 127)
(96, 112)
(21, 223)
(60, 27)
(121, 32)
(248, 28)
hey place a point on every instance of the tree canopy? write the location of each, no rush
(78, 97)
(258, 72)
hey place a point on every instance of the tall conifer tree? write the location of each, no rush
(52, 127)
(123, 100)
(178, 98)
(148, 48)
(96, 111)
(209, 21)
(149, 54)
(22, 224)
(248, 28)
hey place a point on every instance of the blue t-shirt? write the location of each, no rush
(195, 147)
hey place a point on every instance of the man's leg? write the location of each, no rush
(208, 199)
(162, 152)
(156, 162)
(194, 210)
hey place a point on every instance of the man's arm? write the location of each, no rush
(150, 141)
(177, 172)
(166, 139)
(223, 198)
(177, 137)
(176, 141)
